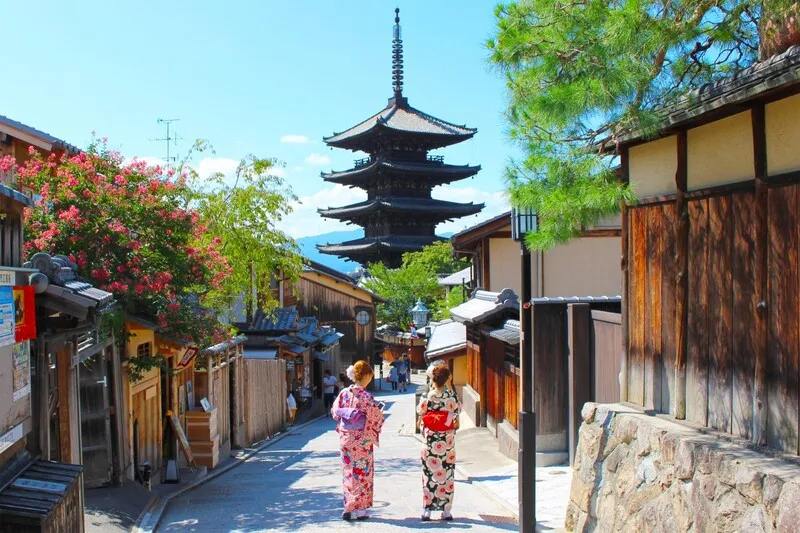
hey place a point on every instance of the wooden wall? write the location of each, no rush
(511, 390)
(264, 398)
(722, 337)
(337, 307)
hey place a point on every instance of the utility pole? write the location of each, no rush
(169, 138)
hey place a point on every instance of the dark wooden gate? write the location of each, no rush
(95, 421)
(495, 362)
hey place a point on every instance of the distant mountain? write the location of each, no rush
(308, 247)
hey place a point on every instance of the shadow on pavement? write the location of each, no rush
(414, 522)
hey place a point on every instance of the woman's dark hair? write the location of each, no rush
(440, 374)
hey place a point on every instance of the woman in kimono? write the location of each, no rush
(439, 452)
(357, 444)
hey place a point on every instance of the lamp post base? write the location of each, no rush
(527, 472)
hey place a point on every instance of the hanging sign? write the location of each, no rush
(176, 426)
(7, 320)
(188, 357)
(21, 370)
(24, 314)
(7, 277)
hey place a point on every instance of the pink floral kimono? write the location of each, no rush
(356, 447)
(439, 453)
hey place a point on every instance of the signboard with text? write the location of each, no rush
(188, 357)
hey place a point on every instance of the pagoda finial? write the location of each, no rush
(397, 57)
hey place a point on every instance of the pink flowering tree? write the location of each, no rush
(128, 228)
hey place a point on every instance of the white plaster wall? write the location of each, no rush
(504, 265)
(652, 167)
(587, 266)
(783, 135)
(720, 152)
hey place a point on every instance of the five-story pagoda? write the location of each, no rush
(399, 214)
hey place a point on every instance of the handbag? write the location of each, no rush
(438, 420)
(351, 418)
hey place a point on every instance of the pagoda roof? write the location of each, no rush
(433, 171)
(399, 117)
(371, 245)
(439, 208)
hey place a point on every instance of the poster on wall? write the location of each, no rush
(188, 357)
(190, 394)
(7, 320)
(24, 314)
(182, 402)
(21, 370)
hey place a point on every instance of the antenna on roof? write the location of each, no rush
(168, 138)
(397, 57)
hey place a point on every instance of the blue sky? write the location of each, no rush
(247, 74)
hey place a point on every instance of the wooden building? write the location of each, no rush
(492, 355)
(398, 175)
(448, 342)
(711, 253)
(190, 375)
(588, 265)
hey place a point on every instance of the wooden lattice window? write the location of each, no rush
(143, 350)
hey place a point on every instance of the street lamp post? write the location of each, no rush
(523, 221)
(419, 314)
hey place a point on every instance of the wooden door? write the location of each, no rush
(146, 409)
(95, 422)
(495, 358)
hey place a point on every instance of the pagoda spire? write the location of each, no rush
(397, 58)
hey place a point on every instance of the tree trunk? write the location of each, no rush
(779, 31)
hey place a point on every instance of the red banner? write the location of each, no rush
(24, 314)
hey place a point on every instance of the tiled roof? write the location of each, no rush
(65, 285)
(283, 319)
(509, 333)
(446, 336)
(320, 356)
(55, 141)
(330, 338)
(369, 244)
(223, 346)
(296, 349)
(400, 117)
(484, 305)
(454, 280)
(777, 72)
(440, 209)
(15, 195)
(432, 173)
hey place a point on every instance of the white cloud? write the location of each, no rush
(496, 204)
(298, 169)
(305, 220)
(209, 166)
(294, 139)
(318, 160)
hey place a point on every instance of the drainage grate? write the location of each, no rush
(495, 519)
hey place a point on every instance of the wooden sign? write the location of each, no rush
(176, 426)
(188, 356)
(206, 404)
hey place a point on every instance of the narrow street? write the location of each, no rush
(295, 486)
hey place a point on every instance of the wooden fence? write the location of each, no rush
(264, 398)
(578, 353)
(742, 298)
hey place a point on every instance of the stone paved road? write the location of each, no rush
(295, 486)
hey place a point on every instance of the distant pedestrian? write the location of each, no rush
(402, 373)
(438, 410)
(393, 377)
(328, 390)
(360, 421)
(291, 403)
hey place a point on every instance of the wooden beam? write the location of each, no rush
(580, 369)
(681, 281)
(624, 263)
(63, 375)
(605, 232)
(761, 326)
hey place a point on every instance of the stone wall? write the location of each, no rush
(508, 440)
(640, 473)
(471, 404)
